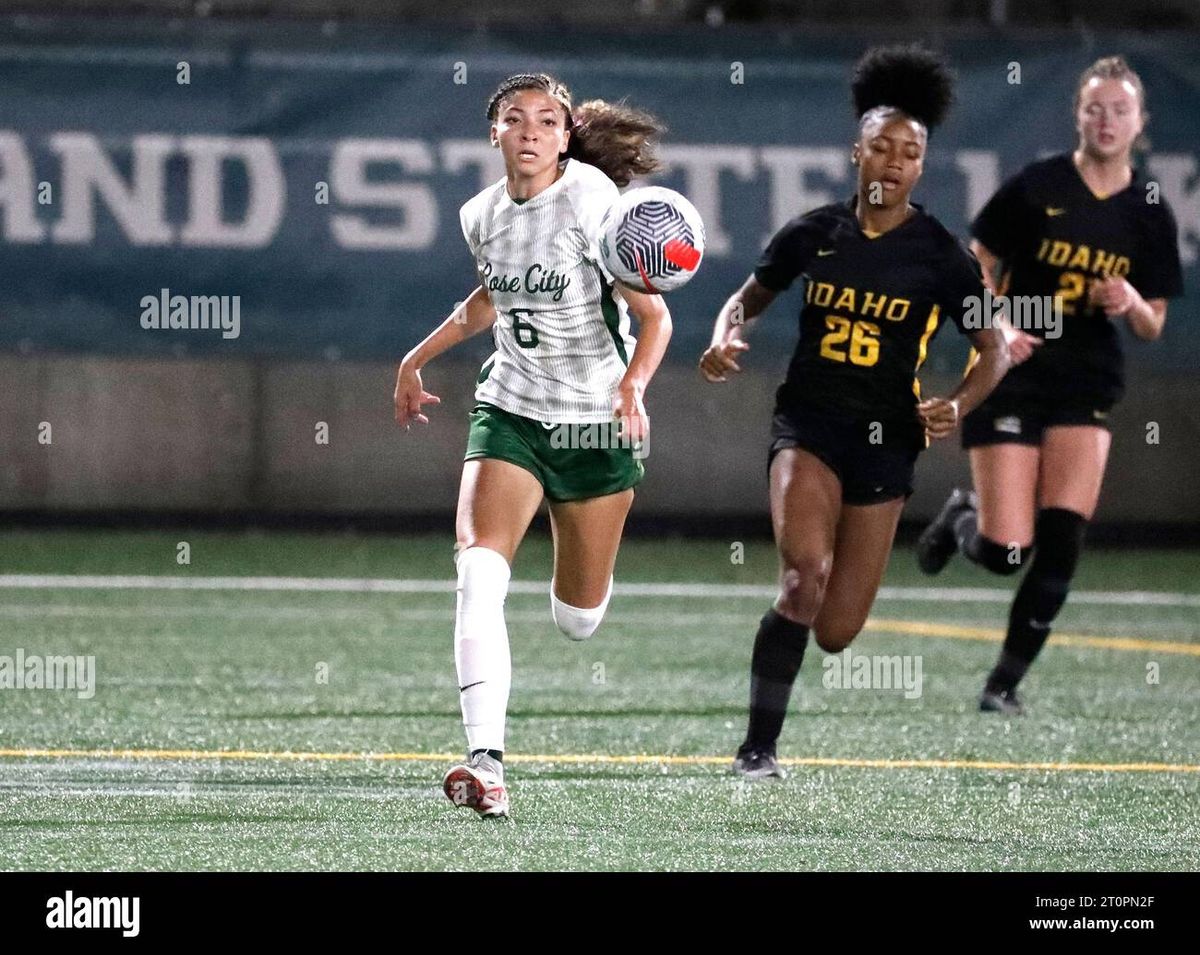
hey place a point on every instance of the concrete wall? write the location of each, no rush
(240, 436)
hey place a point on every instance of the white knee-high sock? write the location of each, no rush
(481, 646)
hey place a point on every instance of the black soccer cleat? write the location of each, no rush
(998, 700)
(937, 544)
(758, 763)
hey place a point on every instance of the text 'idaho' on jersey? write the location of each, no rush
(1056, 239)
(871, 307)
(562, 336)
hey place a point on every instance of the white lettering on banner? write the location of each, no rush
(981, 167)
(404, 209)
(17, 191)
(87, 172)
(457, 154)
(1173, 171)
(790, 195)
(267, 191)
(702, 167)
(348, 174)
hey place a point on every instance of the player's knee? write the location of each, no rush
(577, 623)
(1059, 535)
(835, 637)
(802, 584)
(483, 576)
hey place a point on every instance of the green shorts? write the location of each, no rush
(572, 462)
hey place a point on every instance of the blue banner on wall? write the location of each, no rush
(302, 184)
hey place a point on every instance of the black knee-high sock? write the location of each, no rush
(984, 551)
(778, 653)
(1059, 540)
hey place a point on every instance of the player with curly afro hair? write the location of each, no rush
(882, 275)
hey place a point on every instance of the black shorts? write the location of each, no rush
(873, 460)
(1022, 418)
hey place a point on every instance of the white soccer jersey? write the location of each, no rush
(562, 336)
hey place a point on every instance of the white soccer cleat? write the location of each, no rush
(479, 785)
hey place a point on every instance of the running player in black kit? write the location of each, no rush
(1081, 229)
(881, 277)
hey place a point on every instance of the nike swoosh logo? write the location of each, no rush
(1053, 211)
(469, 685)
(825, 252)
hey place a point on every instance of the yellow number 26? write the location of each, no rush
(863, 337)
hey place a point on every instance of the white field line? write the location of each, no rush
(384, 585)
(390, 615)
(662, 761)
(382, 615)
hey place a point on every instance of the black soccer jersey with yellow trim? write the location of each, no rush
(1056, 238)
(871, 307)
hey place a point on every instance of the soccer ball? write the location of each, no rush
(652, 239)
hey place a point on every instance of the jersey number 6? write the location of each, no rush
(524, 332)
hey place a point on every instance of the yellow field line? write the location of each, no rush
(994, 635)
(600, 759)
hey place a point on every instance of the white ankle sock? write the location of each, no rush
(481, 646)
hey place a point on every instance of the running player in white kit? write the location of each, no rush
(559, 409)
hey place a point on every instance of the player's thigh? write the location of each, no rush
(587, 534)
(806, 498)
(1073, 461)
(1006, 479)
(496, 502)
(863, 544)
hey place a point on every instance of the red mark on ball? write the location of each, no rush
(680, 253)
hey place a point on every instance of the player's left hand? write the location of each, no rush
(1020, 343)
(1115, 295)
(938, 415)
(630, 412)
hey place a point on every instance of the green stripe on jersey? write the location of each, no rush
(612, 315)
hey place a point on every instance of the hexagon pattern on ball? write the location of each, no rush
(652, 239)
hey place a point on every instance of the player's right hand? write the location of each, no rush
(410, 395)
(718, 360)
(1020, 343)
(939, 416)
